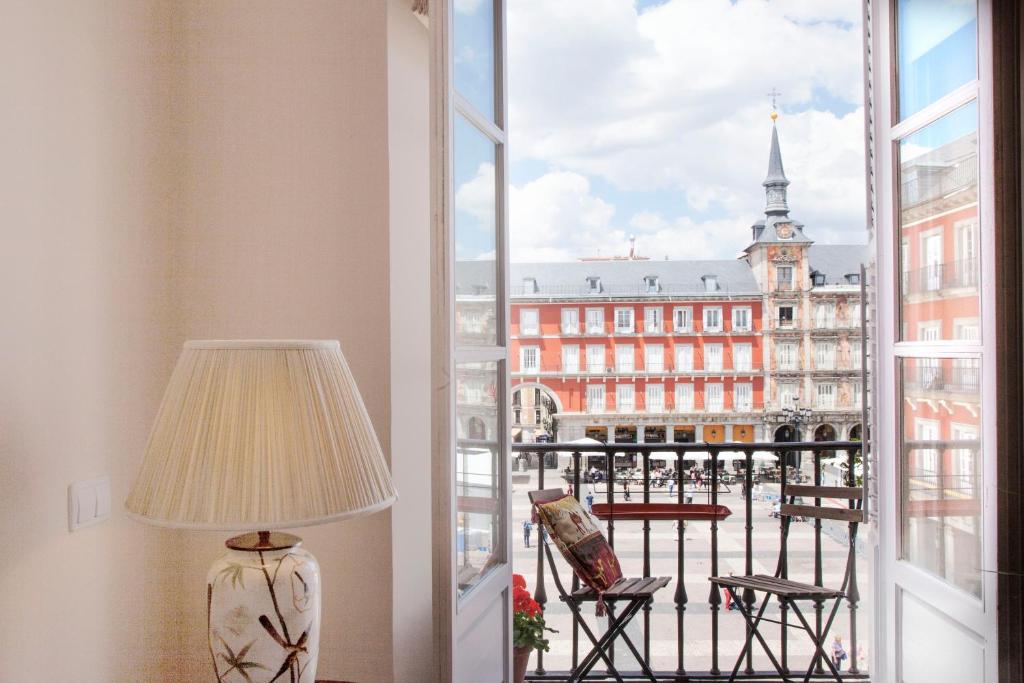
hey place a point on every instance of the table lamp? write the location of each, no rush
(254, 436)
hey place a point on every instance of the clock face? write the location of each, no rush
(784, 231)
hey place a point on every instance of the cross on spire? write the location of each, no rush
(774, 94)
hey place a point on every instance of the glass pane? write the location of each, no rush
(939, 236)
(476, 270)
(941, 471)
(473, 53)
(938, 50)
(478, 470)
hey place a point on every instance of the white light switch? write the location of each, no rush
(88, 502)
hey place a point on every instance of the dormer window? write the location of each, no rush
(530, 285)
(818, 279)
(594, 283)
(853, 278)
(651, 284)
(710, 283)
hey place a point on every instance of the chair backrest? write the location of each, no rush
(844, 514)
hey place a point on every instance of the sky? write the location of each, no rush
(651, 118)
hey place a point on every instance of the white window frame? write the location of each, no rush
(596, 398)
(625, 398)
(683, 357)
(625, 326)
(596, 351)
(654, 398)
(717, 311)
(654, 357)
(787, 392)
(787, 355)
(825, 395)
(529, 330)
(570, 358)
(743, 357)
(654, 320)
(825, 315)
(714, 357)
(824, 355)
(625, 358)
(682, 319)
(743, 396)
(594, 323)
(524, 353)
(684, 397)
(570, 318)
(741, 312)
(714, 397)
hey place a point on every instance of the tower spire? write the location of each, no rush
(775, 183)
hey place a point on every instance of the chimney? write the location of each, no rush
(632, 247)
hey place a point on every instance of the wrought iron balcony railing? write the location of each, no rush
(650, 482)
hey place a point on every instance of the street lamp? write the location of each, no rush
(797, 417)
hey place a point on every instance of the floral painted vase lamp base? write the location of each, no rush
(255, 436)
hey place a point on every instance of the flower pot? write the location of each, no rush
(520, 660)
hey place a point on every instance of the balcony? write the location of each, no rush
(687, 634)
(955, 380)
(940, 277)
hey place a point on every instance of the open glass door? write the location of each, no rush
(936, 602)
(472, 543)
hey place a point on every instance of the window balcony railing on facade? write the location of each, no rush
(965, 380)
(938, 277)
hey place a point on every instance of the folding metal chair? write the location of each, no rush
(626, 597)
(789, 593)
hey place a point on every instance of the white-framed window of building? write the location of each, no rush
(594, 284)
(713, 357)
(967, 329)
(684, 357)
(529, 359)
(929, 330)
(529, 322)
(714, 397)
(966, 252)
(655, 398)
(595, 398)
(570, 358)
(682, 319)
(654, 358)
(784, 277)
(858, 392)
(743, 396)
(825, 355)
(742, 318)
(927, 458)
(826, 395)
(825, 315)
(965, 459)
(624, 398)
(595, 358)
(853, 313)
(624, 321)
(785, 316)
(651, 284)
(710, 283)
(624, 358)
(712, 318)
(595, 321)
(684, 398)
(743, 357)
(855, 351)
(570, 321)
(789, 392)
(653, 323)
(786, 354)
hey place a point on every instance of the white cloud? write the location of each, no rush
(673, 98)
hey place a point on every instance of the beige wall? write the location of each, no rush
(173, 171)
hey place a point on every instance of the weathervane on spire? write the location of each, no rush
(774, 94)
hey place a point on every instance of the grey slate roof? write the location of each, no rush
(836, 261)
(764, 231)
(776, 174)
(626, 278)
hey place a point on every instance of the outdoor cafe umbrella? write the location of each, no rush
(765, 456)
(564, 456)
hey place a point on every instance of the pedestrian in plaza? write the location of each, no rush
(527, 530)
(590, 502)
(570, 488)
(671, 487)
(838, 653)
(625, 488)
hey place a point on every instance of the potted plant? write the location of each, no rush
(528, 628)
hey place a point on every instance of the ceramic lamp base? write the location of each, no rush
(263, 610)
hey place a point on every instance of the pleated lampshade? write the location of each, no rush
(260, 435)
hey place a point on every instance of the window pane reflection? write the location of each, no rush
(941, 473)
(478, 470)
(938, 50)
(939, 236)
(475, 237)
(473, 53)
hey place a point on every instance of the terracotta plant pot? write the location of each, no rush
(520, 660)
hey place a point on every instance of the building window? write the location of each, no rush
(741, 318)
(684, 398)
(624, 321)
(595, 321)
(784, 277)
(858, 393)
(530, 285)
(853, 278)
(853, 314)
(818, 279)
(789, 392)
(684, 357)
(529, 322)
(710, 283)
(655, 398)
(624, 398)
(682, 319)
(624, 358)
(570, 358)
(537, 417)
(517, 416)
(651, 284)
(743, 396)
(529, 359)
(826, 392)
(786, 355)
(855, 351)
(712, 318)
(654, 358)
(595, 358)
(825, 315)
(595, 398)
(825, 355)
(594, 285)
(571, 321)
(652, 320)
(742, 357)
(785, 316)
(713, 357)
(714, 397)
